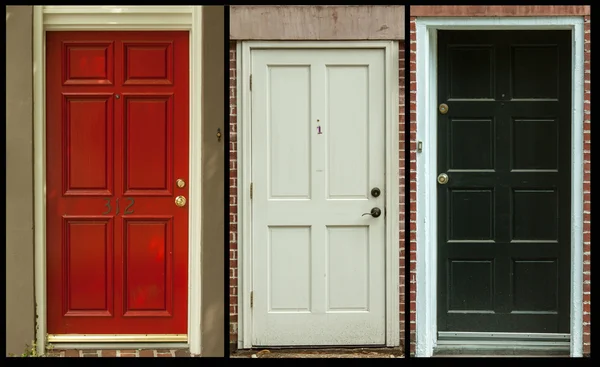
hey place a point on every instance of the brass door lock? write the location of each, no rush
(180, 201)
(443, 108)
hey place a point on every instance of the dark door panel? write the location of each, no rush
(504, 214)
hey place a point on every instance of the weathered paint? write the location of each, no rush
(20, 314)
(302, 22)
(213, 191)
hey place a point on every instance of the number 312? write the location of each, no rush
(127, 209)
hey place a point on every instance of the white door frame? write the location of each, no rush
(244, 157)
(426, 66)
(118, 18)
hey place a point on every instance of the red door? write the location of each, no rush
(117, 112)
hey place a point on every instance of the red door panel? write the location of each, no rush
(117, 115)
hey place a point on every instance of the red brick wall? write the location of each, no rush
(233, 229)
(412, 251)
(233, 213)
(497, 10)
(587, 175)
(402, 167)
(506, 11)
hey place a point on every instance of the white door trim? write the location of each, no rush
(244, 157)
(426, 97)
(121, 18)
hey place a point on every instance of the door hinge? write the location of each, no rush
(251, 82)
(251, 299)
(251, 190)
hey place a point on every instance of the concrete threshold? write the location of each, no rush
(506, 352)
(318, 353)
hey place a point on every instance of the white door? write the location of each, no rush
(318, 124)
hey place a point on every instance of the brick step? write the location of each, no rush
(119, 353)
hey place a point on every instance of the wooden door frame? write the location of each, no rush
(118, 18)
(426, 98)
(244, 156)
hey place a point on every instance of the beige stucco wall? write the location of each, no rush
(316, 22)
(213, 193)
(20, 313)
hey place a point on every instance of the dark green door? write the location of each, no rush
(504, 212)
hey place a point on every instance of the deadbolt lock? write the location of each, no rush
(180, 183)
(443, 178)
(375, 192)
(443, 108)
(180, 201)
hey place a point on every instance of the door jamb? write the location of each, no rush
(118, 18)
(426, 98)
(244, 156)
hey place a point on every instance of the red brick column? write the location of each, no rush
(587, 175)
(402, 191)
(233, 232)
(413, 183)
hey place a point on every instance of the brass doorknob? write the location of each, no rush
(443, 178)
(180, 201)
(443, 108)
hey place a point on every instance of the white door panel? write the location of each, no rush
(317, 151)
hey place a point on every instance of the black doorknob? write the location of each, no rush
(375, 192)
(375, 212)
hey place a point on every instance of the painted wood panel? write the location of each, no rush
(117, 138)
(319, 263)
